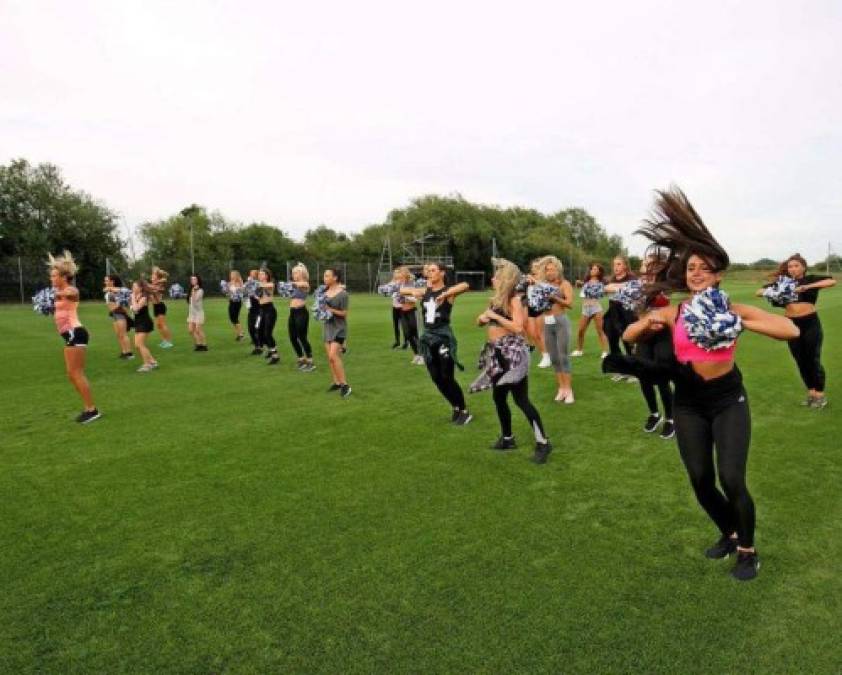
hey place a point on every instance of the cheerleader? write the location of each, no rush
(409, 314)
(142, 293)
(268, 315)
(438, 344)
(196, 314)
(617, 318)
(557, 325)
(253, 303)
(63, 270)
(299, 318)
(157, 284)
(234, 290)
(335, 329)
(711, 405)
(120, 319)
(593, 289)
(800, 307)
(534, 320)
(505, 360)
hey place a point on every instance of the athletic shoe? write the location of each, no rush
(545, 362)
(808, 402)
(405, 345)
(542, 451)
(454, 418)
(334, 387)
(577, 353)
(652, 423)
(240, 337)
(668, 430)
(197, 348)
(504, 443)
(631, 379)
(167, 345)
(309, 367)
(344, 349)
(618, 378)
(603, 355)
(568, 398)
(397, 345)
(819, 402)
(257, 351)
(559, 397)
(464, 418)
(418, 360)
(145, 368)
(129, 357)
(153, 365)
(88, 416)
(345, 390)
(722, 548)
(747, 565)
(273, 360)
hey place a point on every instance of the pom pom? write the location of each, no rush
(419, 282)
(709, 321)
(781, 292)
(593, 290)
(630, 295)
(44, 301)
(538, 296)
(389, 290)
(123, 297)
(251, 286)
(177, 292)
(223, 286)
(285, 289)
(320, 312)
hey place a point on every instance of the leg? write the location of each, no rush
(303, 322)
(520, 394)
(600, 332)
(396, 321)
(292, 329)
(336, 365)
(583, 327)
(74, 361)
(500, 394)
(331, 364)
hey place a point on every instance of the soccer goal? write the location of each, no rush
(475, 279)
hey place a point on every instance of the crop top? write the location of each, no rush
(811, 295)
(687, 351)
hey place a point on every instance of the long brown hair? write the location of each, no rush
(678, 232)
(783, 268)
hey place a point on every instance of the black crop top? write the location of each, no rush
(435, 315)
(811, 295)
(501, 312)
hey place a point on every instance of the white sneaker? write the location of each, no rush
(569, 398)
(559, 397)
(631, 378)
(578, 353)
(144, 368)
(152, 365)
(546, 362)
(604, 354)
(618, 378)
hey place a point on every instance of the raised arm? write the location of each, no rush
(411, 290)
(768, 324)
(653, 322)
(822, 283)
(452, 292)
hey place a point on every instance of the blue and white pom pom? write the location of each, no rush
(285, 289)
(251, 286)
(781, 292)
(320, 312)
(123, 297)
(630, 295)
(419, 282)
(234, 293)
(223, 286)
(538, 296)
(44, 302)
(389, 290)
(709, 321)
(593, 290)
(177, 292)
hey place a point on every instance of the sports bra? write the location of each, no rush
(687, 351)
(501, 312)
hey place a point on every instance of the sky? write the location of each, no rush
(299, 114)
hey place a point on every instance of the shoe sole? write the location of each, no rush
(91, 419)
(466, 421)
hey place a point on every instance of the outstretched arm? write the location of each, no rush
(768, 324)
(452, 292)
(653, 322)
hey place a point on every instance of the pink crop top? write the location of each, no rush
(66, 316)
(687, 351)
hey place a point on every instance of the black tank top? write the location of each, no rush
(435, 315)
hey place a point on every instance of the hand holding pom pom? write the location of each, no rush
(782, 292)
(44, 302)
(709, 321)
(593, 290)
(176, 292)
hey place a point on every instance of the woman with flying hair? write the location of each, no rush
(504, 360)
(806, 349)
(63, 271)
(557, 325)
(158, 286)
(711, 412)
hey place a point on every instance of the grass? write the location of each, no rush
(225, 516)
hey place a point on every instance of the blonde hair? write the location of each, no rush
(549, 260)
(403, 273)
(302, 268)
(63, 264)
(508, 276)
(159, 274)
(238, 278)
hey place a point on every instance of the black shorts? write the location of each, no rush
(143, 324)
(159, 309)
(76, 337)
(533, 313)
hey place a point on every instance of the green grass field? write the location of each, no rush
(224, 516)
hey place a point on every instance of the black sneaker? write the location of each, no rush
(405, 345)
(747, 565)
(203, 348)
(274, 360)
(344, 349)
(334, 387)
(668, 430)
(345, 390)
(88, 416)
(257, 351)
(722, 548)
(464, 418)
(454, 418)
(504, 443)
(542, 451)
(652, 423)
(397, 345)
(240, 337)
(308, 367)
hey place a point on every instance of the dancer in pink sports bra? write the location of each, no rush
(62, 271)
(711, 406)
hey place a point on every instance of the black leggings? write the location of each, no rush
(254, 313)
(409, 323)
(234, 307)
(520, 394)
(268, 317)
(715, 414)
(396, 323)
(442, 372)
(299, 321)
(806, 349)
(650, 351)
(616, 320)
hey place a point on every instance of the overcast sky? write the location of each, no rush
(306, 113)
